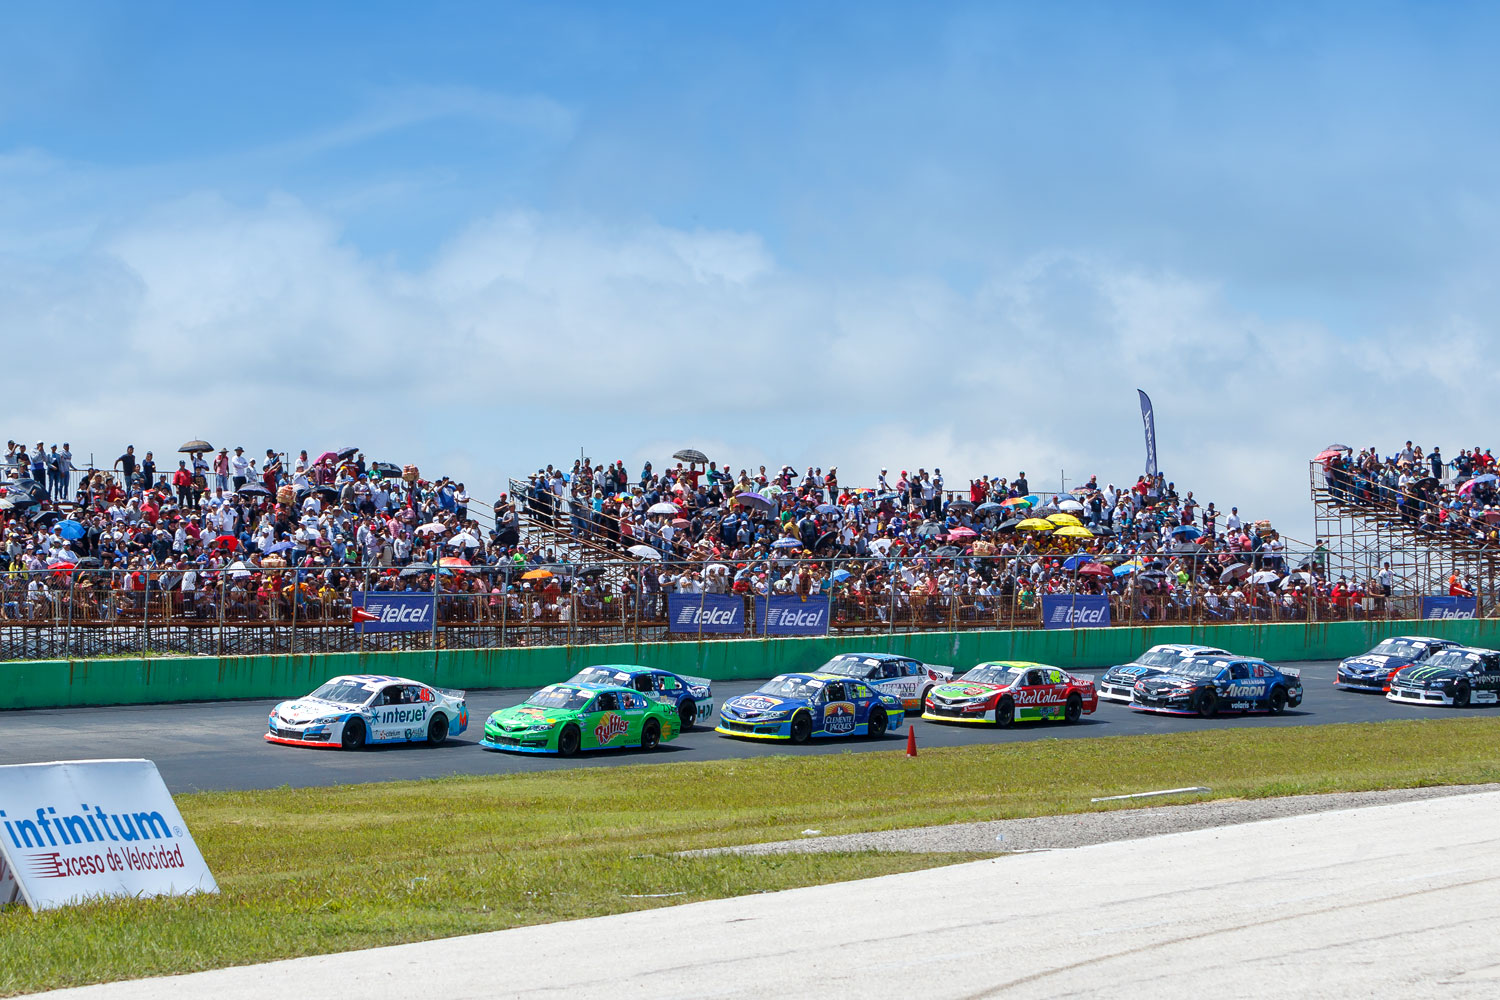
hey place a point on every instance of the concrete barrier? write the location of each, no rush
(144, 680)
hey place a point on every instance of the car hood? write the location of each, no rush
(962, 690)
(753, 706)
(303, 710)
(1429, 675)
(1132, 672)
(1375, 661)
(1167, 680)
(526, 716)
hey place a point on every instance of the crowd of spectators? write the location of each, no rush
(1451, 500)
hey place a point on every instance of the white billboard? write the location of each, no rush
(77, 830)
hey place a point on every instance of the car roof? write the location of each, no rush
(372, 679)
(882, 657)
(1413, 638)
(1188, 647)
(621, 668)
(837, 677)
(1021, 664)
(1470, 649)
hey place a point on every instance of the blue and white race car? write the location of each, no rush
(1207, 685)
(909, 679)
(800, 707)
(1373, 671)
(692, 697)
(359, 709)
(1118, 683)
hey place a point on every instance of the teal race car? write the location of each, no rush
(800, 707)
(692, 698)
(566, 718)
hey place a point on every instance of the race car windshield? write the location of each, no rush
(1454, 660)
(1160, 658)
(791, 687)
(845, 666)
(1396, 647)
(342, 693)
(598, 675)
(1003, 676)
(1199, 668)
(560, 697)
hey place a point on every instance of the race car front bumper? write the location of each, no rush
(959, 713)
(518, 744)
(1420, 696)
(1110, 691)
(324, 743)
(1361, 682)
(754, 730)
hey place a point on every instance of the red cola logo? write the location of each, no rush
(1036, 696)
(609, 727)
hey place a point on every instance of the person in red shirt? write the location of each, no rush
(183, 480)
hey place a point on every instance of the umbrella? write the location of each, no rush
(71, 530)
(254, 489)
(1187, 549)
(463, 540)
(61, 568)
(787, 543)
(344, 453)
(1062, 519)
(276, 547)
(962, 534)
(644, 552)
(756, 500)
(227, 542)
(536, 574)
(828, 508)
(840, 575)
(1339, 447)
(1094, 569)
(886, 496)
(454, 562)
(417, 569)
(238, 570)
(1070, 506)
(1186, 531)
(386, 468)
(773, 490)
(1234, 571)
(1488, 477)
(327, 456)
(691, 455)
(431, 528)
(1036, 524)
(7, 504)
(1077, 562)
(1126, 568)
(1010, 525)
(986, 509)
(1017, 502)
(663, 508)
(1299, 578)
(1265, 576)
(681, 522)
(929, 530)
(960, 505)
(948, 552)
(1073, 531)
(44, 518)
(195, 446)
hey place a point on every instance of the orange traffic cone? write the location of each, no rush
(911, 741)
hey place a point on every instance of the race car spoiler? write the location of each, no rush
(703, 682)
(1291, 672)
(1082, 678)
(450, 693)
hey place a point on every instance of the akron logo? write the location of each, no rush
(838, 717)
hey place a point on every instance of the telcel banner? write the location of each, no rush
(393, 612)
(706, 613)
(77, 830)
(1075, 611)
(790, 615)
(1443, 606)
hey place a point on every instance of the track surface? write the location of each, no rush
(218, 745)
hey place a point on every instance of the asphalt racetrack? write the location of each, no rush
(217, 745)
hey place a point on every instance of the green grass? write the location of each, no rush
(319, 870)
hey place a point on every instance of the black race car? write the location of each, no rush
(1373, 671)
(1457, 676)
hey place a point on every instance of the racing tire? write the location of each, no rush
(1005, 713)
(568, 741)
(801, 728)
(687, 713)
(1074, 710)
(1278, 700)
(437, 729)
(878, 724)
(353, 736)
(926, 693)
(1461, 696)
(651, 735)
(1208, 704)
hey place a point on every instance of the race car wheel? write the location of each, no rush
(1461, 696)
(926, 693)
(651, 735)
(878, 723)
(687, 713)
(1005, 713)
(801, 727)
(1074, 710)
(353, 737)
(437, 729)
(1278, 701)
(1208, 704)
(567, 741)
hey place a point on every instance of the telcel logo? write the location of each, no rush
(1081, 616)
(798, 619)
(394, 613)
(707, 616)
(1449, 613)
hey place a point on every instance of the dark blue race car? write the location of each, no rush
(1207, 685)
(800, 707)
(693, 697)
(1374, 670)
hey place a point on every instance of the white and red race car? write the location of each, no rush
(355, 710)
(1007, 691)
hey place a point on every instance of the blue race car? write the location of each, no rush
(800, 707)
(1118, 683)
(692, 697)
(1207, 685)
(1374, 671)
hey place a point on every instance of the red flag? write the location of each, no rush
(359, 615)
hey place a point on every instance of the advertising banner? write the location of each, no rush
(377, 611)
(1443, 606)
(77, 830)
(721, 613)
(1149, 419)
(790, 615)
(1075, 611)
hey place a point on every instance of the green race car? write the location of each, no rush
(566, 718)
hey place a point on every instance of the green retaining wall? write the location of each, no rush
(58, 683)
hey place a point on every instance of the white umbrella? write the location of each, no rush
(1070, 506)
(431, 528)
(463, 540)
(1265, 576)
(238, 570)
(662, 508)
(644, 551)
(880, 545)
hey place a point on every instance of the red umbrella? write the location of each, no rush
(454, 562)
(681, 522)
(327, 456)
(961, 534)
(227, 542)
(62, 568)
(1094, 569)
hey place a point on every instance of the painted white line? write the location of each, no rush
(1152, 795)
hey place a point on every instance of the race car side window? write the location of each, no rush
(607, 702)
(667, 681)
(834, 692)
(889, 670)
(1239, 672)
(914, 669)
(1054, 676)
(643, 682)
(1035, 677)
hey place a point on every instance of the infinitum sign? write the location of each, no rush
(77, 830)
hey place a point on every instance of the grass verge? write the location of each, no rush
(328, 869)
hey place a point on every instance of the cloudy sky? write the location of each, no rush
(484, 236)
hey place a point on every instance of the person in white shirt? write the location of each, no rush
(239, 468)
(1233, 523)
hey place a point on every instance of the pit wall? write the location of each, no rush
(59, 683)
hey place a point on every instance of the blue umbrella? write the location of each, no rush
(840, 575)
(828, 508)
(276, 547)
(756, 500)
(988, 508)
(787, 543)
(887, 496)
(71, 530)
(1125, 569)
(1186, 531)
(1076, 562)
(1488, 477)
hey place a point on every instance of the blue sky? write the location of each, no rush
(486, 234)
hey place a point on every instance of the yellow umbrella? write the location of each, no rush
(1073, 531)
(1061, 519)
(1036, 524)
